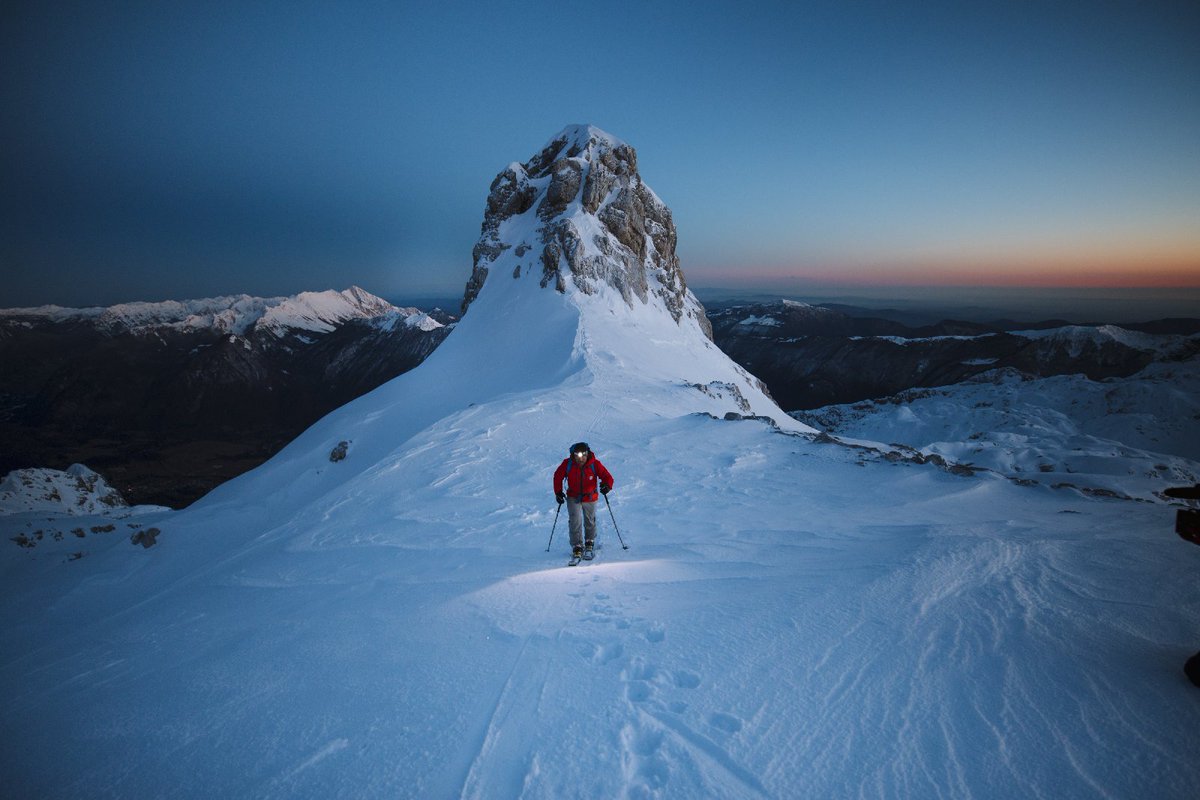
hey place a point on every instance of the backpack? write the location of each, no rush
(591, 463)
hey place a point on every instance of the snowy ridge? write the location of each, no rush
(904, 341)
(1120, 437)
(407, 317)
(53, 313)
(1078, 337)
(237, 314)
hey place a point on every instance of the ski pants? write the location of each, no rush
(583, 519)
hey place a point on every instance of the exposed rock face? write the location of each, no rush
(578, 211)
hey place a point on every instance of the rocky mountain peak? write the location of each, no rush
(578, 215)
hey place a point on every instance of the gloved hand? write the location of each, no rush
(605, 488)
(560, 497)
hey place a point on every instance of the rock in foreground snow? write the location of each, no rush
(75, 491)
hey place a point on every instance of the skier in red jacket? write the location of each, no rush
(584, 474)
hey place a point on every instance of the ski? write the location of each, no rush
(586, 555)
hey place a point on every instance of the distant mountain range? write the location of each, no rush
(170, 399)
(812, 356)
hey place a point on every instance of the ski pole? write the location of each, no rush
(552, 527)
(614, 519)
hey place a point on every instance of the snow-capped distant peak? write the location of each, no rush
(235, 314)
(321, 312)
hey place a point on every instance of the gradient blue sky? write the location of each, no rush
(160, 150)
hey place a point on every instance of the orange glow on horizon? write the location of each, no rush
(1052, 273)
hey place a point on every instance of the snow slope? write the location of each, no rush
(791, 618)
(786, 623)
(1127, 437)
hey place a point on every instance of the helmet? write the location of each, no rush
(580, 447)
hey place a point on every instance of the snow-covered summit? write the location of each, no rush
(323, 311)
(233, 314)
(583, 138)
(577, 216)
(576, 232)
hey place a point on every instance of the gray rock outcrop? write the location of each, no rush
(595, 223)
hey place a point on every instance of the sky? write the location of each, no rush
(158, 151)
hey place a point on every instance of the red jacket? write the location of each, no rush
(582, 481)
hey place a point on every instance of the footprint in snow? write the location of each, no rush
(641, 671)
(725, 722)
(646, 770)
(637, 691)
(609, 653)
(685, 679)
